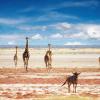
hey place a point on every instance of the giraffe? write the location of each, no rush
(16, 57)
(48, 57)
(99, 60)
(26, 55)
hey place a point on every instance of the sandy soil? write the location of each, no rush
(39, 83)
(42, 84)
(87, 57)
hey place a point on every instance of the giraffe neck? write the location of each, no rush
(26, 48)
(49, 47)
(16, 50)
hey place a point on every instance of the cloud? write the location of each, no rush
(57, 36)
(94, 31)
(78, 31)
(28, 9)
(80, 35)
(9, 21)
(72, 31)
(73, 43)
(91, 31)
(37, 37)
(11, 43)
(94, 35)
(61, 31)
(62, 4)
(62, 26)
(30, 28)
(80, 3)
(56, 16)
(11, 37)
(69, 4)
(25, 28)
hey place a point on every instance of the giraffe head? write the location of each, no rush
(27, 38)
(49, 45)
(16, 47)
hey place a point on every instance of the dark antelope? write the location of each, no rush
(72, 80)
(26, 55)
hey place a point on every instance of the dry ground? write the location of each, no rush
(41, 84)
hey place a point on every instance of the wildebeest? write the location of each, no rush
(72, 80)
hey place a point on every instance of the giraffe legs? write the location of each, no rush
(46, 63)
(15, 62)
(50, 63)
(26, 64)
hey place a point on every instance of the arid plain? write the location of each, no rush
(40, 84)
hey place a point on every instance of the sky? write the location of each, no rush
(58, 22)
